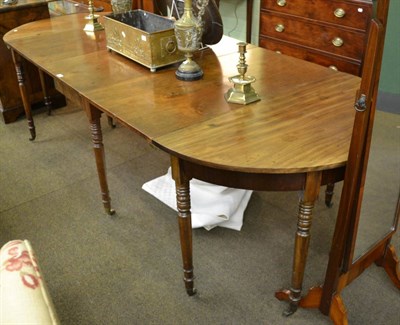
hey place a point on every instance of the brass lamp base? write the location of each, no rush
(242, 92)
(189, 70)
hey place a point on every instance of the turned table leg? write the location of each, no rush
(24, 93)
(44, 81)
(185, 223)
(302, 241)
(94, 116)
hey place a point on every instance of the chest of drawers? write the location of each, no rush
(332, 33)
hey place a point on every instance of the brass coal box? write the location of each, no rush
(144, 37)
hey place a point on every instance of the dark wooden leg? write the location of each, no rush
(249, 20)
(185, 223)
(328, 194)
(302, 241)
(24, 93)
(111, 122)
(94, 116)
(45, 89)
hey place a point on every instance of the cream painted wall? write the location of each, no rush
(390, 74)
(233, 14)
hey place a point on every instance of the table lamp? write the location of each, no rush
(188, 32)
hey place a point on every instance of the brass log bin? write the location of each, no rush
(144, 37)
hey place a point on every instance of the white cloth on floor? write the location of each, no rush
(211, 205)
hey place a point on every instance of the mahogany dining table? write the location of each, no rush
(296, 138)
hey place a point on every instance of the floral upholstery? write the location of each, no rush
(24, 298)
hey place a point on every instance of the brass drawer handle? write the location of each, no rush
(339, 13)
(280, 28)
(281, 3)
(333, 67)
(337, 41)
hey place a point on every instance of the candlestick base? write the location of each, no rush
(92, 25)
(242, 92)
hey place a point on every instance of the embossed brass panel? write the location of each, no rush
(144, 37)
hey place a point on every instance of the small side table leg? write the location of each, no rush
(302, 241)
(111, 122)
(249, 20)
(45, 89)
(185, 223)
(24, 93)
(329, 194)
(94, 116)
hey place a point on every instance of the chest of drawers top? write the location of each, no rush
(328, 32)
(350, 13)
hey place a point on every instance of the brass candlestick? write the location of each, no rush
(188, 32)
(242, 91)
(92, 25)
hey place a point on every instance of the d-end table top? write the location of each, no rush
(302, 123)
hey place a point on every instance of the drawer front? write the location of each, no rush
(355, 14)
(335, 63)
(341, 42)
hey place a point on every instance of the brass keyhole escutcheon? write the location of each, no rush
(281, 3)
(280, 28)
(337, 41)
(339, 13)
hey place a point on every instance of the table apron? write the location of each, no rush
(257, 181)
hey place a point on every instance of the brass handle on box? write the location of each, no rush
(280, 28)
(170, 47)
(281, 3)
(337, 41)
(333, 67)
(339, 13)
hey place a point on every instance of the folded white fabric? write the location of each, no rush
(211, 205)
(24, 298)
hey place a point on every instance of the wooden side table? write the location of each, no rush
(12, 16)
